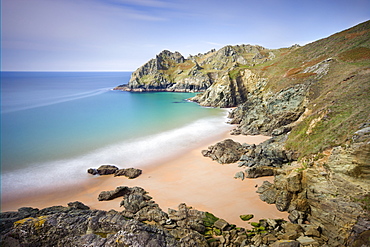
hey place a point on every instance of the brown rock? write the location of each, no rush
(259, 171)
(129, 172)
(110, 195)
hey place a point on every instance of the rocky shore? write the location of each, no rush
(143, 223)
(313, 102)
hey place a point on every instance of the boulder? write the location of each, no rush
(221, 224)
(103, 170)
(225, 152)
(246, 217)
(239, 175)
(131, 173)
(112, 194)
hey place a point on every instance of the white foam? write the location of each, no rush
(53, 101)
(131, 153)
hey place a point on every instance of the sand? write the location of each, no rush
(189, 178)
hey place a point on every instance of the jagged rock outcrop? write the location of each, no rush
(270, 114)
(331, 191)
(171, 72)
(141, 223)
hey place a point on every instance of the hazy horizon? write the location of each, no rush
(122, 35)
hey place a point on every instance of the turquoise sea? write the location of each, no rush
(56, 125)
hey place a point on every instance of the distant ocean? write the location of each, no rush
(56, 125)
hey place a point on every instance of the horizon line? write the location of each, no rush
(66, 70)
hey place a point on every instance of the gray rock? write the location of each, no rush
(110, 195)
(239, 175)
(227, 151)
(285, 243)
(131, 173)
(103, 170)
(259, 171)
(283, 199)
(221, 224)
(294, 181)
(78, 205)
(307, 241)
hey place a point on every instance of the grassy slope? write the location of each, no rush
(339, 102)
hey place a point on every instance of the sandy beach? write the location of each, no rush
(190, 178)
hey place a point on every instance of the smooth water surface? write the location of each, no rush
(59, 124)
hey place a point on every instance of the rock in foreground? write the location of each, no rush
(131, 173)
(143, 223)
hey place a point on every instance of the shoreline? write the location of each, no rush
(187, 178)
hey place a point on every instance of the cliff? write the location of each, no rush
(172, 72)
(314, 100)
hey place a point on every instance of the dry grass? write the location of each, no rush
(355, 54)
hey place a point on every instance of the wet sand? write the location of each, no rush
(190, 178)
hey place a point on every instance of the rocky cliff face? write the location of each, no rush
(172, 72)
(330, 190)
(312, 99)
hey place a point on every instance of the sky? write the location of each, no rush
(122, 35)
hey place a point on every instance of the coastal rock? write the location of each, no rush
(131, 173)
(272, 113)
(78, 205)
(286, 243)
(227, 151)
(246, 217)
(103, 170)
(221, 224)
(259, 171)
(112, 194)
(240, 175)
(171, 72)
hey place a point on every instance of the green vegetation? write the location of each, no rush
(209, 219)
(37, 222)
(246, 217)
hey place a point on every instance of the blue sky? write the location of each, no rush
(121, 35)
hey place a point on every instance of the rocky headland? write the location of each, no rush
(313, 100)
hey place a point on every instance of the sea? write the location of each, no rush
(56, 125)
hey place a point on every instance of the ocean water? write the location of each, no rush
(56, 125)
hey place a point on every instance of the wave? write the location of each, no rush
(53, 101)
(139, 153)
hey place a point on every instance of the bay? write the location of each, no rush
(56, 125)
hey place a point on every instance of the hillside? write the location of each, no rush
(314, 100)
